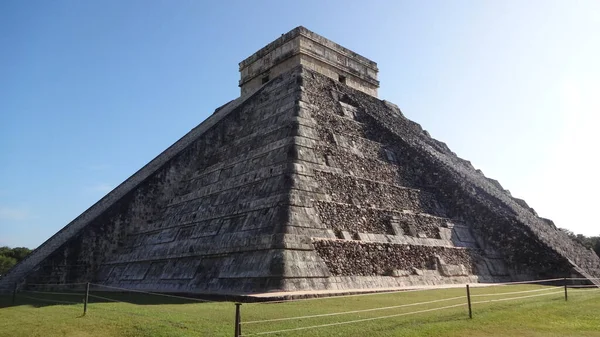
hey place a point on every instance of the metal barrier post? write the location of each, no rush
(86, 298)
(566, 293)
(238, 320)
(469, 301)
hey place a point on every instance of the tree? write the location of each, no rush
(6, 263)
(5, 251)
(11, 256)
(591, 242)
(19, 253)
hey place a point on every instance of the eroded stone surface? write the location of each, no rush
(305, 184)
(345, 258)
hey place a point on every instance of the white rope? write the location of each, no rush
(513, 292)
(517, 298)
(354, 295)
(478, 285)
(121, 311)
(54, 284)
(49, 301)
(144, 313)
(354, 321)
(107, 299)
(583, 290)
(50, 293)
(146, 292)
(583, 278)
(583, 286)
(354, 311)
(407, 290)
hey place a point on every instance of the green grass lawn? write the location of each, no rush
(157, 316)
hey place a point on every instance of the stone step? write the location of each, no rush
(370, 258)
(383, 222)
(373, 194)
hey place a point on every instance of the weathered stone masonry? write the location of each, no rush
(221, 196)
(350, 258)
(428, 165)
(306, 182)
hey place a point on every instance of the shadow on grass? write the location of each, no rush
(43, 299)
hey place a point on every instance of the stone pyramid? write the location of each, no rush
(305, 182)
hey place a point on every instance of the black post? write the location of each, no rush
(14, 297)
(469, 301)
(238, 320)
(86, 298)
(566, 293)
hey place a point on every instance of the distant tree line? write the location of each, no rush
(591, 242)
(11, 256)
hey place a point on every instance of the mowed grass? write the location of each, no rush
(545, 313)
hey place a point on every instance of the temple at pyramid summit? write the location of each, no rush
(306, 182)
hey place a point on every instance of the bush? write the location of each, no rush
(11, 256)
(6, 263)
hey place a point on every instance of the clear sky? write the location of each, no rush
(90, 91)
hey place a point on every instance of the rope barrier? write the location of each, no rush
(581, 290)
(477, 285)
(513, 292)
(143, 313)
(146, 314)
(106, 298)
(353, 312)
(146, 292)
(354, 295)
(517, 298)
(54, 284)
(583, 286)
(354, 321)
(51, 293)
(550, 290)
(49, 301)
(583, 278)
(126, 312)
(399, 306)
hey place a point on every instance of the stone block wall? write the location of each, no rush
(370, 154)
(354, 258)
(303, 47)
(103, 206)
(352, 184)
(307, 184)
(214, 212)
(355, 74)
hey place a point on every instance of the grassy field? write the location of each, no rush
(544, 313)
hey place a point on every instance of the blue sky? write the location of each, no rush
(91, 91)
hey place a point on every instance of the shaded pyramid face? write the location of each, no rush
(310, 185)
(302, 184)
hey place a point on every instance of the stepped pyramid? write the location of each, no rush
(305, 182)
